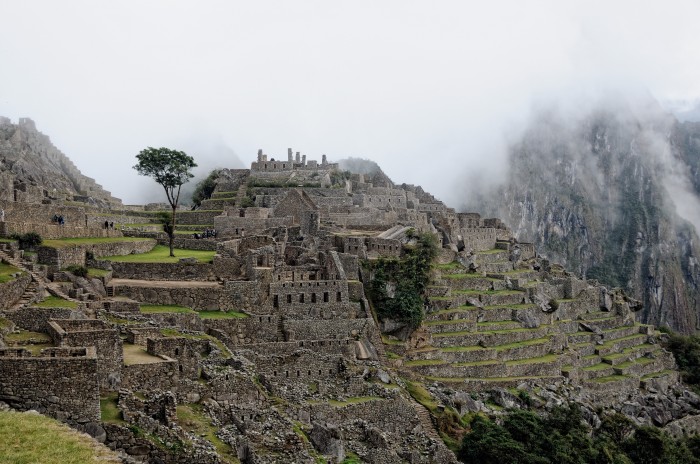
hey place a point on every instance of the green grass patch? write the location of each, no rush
(420, 394)
(611, 378)
(424, 362)
(353, 400)
(221, 315)
(97, 273)
(33, 438)
(550, 358)
(191, 417)
(486, 362)
(109, 411)
(534, 341)
(218, 343)
(459, 349)
(448, 266)
(56, 302)
(161, 254)
(491, 252)
(389, 354)
(611, 343)
(158, 309)
(655, 375)
(6, 271)
(65, 242)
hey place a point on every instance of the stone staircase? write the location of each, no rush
(33, 294)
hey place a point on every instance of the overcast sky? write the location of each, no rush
(425, 88)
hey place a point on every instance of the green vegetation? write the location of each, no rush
(109, 411)
(191, 417)
(157, 309)
(205, 188)
(78, 271)
(221, 315)
(56, 302)
(564, 437)
(410, 276)
(686, 350)
(161, 254)
(28, 241)
(97, 273)
(6, 271)
(32, 438)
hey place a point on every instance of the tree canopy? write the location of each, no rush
(169, 168)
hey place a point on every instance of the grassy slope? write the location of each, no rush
(33, 438)
(160, 254)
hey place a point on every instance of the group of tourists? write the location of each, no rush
(208, 233)
(58, 218)
(109, 225)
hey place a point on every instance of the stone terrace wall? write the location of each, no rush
(11, 291)
(37, 213)
(75, 254)
(54, 231)
(36, 319)
(188, 352)
(480, 239)
(166, 271)
(64, 387)
(198, 298)
(155, 376)
(91, 332)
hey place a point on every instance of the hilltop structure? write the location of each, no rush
(274, 341)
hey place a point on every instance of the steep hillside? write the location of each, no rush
(32, 169)
(612, 195)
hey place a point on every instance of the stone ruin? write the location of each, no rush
(274, 341)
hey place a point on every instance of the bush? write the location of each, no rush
(28, 241)
(205, 188)
(78, 271)
(686, 350)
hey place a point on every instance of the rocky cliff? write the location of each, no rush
(613, 195)
(32, 169)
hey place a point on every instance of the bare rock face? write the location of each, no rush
(596, 194)
(32, 169)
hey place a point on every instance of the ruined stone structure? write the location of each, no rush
(274, 340)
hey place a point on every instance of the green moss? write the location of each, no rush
(191, 417)
(420, 394)
(96, 273)
(612, 378)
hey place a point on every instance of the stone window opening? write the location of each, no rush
(325, 297)
(269, 319)
(289, 298)
(226, 376)
(286, 374)
(313, 298)
(275, 301)
(177, 351)
(298, 374)
(274, 373)
(301, 298)
(180, 367)
(339, 296)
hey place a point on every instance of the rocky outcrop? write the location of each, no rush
(604, 195)
(32, 169)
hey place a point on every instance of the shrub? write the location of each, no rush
(78, 271)
(28, 241)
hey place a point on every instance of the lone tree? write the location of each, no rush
(171, 169)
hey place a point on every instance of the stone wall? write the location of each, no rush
(36, 319)
(154, 376)
(54, 231)
(92, 332)
(198, 298)
(480, 239)
(186, 351)
(62, 383)
(11, 291)
(167, 271)
(75, 254)
(37, 213)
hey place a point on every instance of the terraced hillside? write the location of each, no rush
(514, 322)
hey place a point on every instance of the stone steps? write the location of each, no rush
(468, 281)
(484, 384)
(597, 370)
(490, 326)
(631, 353)
(513, 351)
(452, 325)
(639, 367)
(604, 323)
(620, 332)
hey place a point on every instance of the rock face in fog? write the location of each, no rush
(32, 169)
(602, 194)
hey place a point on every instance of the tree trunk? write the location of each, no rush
(171, 235)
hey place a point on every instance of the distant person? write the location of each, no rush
(2, 215)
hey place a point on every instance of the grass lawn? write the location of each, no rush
(161, 254)
(109, 410)
(6, 271)
(29, 438)
(64, 242)
(221, 315)
(56, 302)
(156, 309)
(95, 273)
